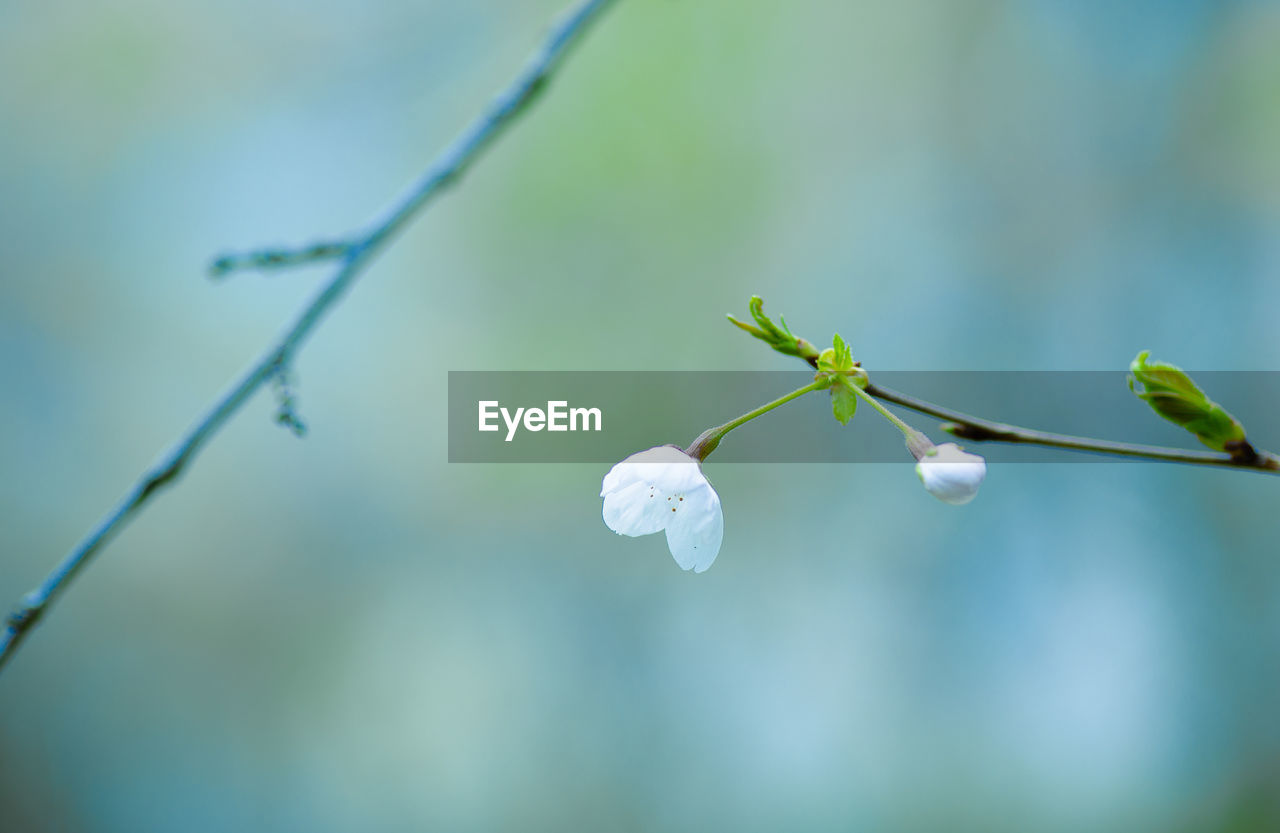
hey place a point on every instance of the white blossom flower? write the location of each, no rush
(664, 488)
(951, 475)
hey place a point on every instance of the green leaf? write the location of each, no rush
(836, 358)
(779, 338)
(758, 333)
(844, 356)
(756, 306)
(1171, 394)
(844, 402)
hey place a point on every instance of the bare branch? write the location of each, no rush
(353, 258)
(277, 258)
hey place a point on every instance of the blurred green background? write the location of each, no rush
(347, 633)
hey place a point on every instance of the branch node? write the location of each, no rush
(24, 616)
(287, 401)
(976, 433)
(265, 259)
(1243, 453)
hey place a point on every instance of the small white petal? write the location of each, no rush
(666, 466)
(696, 529)
(636, 510)
(950, 474)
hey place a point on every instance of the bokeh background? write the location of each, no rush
(347, 633)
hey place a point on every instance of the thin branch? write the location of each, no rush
(278, 258)
(974, 428)
(353, 258)
(977, 429)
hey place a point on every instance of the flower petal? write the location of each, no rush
(695, 531)
(638, 509)
(952, 475)
(665, 466)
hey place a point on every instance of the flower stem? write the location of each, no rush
(916, 440)
(709, 439)
(889, 415)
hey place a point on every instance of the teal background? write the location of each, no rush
(347, 633)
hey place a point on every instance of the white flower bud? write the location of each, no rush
(951, 475)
